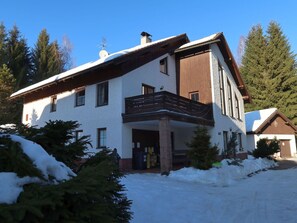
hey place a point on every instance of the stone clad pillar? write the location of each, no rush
(165, 145)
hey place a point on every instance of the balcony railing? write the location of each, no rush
(165, 101)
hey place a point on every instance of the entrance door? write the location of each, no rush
(285, 148)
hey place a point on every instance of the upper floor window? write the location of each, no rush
(102, 94)
(53, 103)
(163, 66)
(80, 97)
(101, 138)
(230, 102)
(194, 96)
(222, 90)
(237, 108)
(146, 89)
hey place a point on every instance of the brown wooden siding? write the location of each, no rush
(194, 74)
(277, 126)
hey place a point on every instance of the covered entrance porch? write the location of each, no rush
(171, 117)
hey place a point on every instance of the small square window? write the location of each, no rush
(194, 96)
(80, 97)
(163, 66)
(101, 138)
(53, 103)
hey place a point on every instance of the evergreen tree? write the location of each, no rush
(269, 71)
(10, 112)
(47, 58)
(3, 42)
(281, 68)
(201, 153)
(18, 58)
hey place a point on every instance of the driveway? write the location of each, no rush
(285, 163)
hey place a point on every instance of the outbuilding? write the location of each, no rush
(271, 123)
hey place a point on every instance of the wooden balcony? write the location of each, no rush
(160, 104)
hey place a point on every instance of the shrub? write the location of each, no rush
(266, 148)
(201, 153)
(94, 195)
(58, 139)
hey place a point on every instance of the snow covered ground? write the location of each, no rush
(216, 195)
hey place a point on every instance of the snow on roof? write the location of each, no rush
(86, 66)
(199, 41)
(256, 118)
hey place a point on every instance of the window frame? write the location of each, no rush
(237, 108)
(101, 141)
(164, 65)
(145, 88)
(225, 140)
(77, 134)
(230, 99)
(78, 97)
(105, 98)
(222, 89)
(194, 93)
(54, 103)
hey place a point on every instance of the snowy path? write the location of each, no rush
(269, 196)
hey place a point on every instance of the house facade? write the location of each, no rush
(147, 99)
(271, 123)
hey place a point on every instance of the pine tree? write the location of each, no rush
(3, 42)
(201, 153)
(281, 68)
(47, 58)
(18, 58)
(269, 71)
(10, 112)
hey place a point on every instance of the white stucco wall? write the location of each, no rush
(91, 117)
(252, 140)
(224, 122)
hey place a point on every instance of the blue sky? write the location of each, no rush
(86, 22)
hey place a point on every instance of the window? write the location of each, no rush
(163, 66)
(101, 138)
(78, 134)
(230, 102)
(222, 90)
(102, 94)
(53, 103)
(80, 97)
(225, 138)
(146, 89)
(194, 96)
(239, 141)
(237, 108)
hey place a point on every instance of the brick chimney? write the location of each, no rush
(145, 38)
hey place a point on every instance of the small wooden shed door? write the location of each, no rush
(285, 148)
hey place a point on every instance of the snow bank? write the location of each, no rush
(225, 175)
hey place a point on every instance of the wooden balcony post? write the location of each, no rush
(165, 145)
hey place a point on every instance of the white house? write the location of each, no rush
(271, 123)
(147, 98)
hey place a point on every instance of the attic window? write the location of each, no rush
(163, 66)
